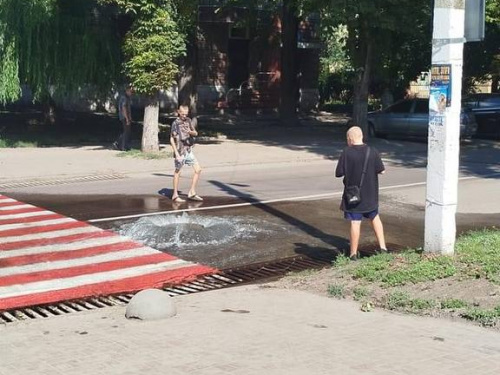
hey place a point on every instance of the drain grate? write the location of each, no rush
(224, 279)
(61, 181)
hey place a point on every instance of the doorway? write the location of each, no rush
(238, 55)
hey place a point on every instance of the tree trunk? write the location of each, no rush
(361, 91)
(150, 142)
(187, 80)
(495, 84)
(289, 90)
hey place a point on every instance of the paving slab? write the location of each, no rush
(249, 330)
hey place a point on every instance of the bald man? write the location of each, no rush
(350, 166)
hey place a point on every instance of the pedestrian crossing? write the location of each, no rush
(47, 258)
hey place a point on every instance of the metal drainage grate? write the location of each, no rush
(61, 181)
(223, 279)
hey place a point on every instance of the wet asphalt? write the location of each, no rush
(314, 228)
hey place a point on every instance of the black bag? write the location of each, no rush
(353, 192)
(190, 141)
(353, 195)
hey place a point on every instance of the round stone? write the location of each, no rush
(151, 304)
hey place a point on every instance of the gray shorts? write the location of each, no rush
(188, 159)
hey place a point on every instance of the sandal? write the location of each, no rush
(195, 197)
(177, 199)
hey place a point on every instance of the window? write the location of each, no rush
(422, 106)
(401, 107)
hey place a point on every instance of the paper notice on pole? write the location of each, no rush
(440, 93)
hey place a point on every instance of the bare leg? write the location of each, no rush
(354, 236)
(378, 228)
(175, 192)
(196, 177)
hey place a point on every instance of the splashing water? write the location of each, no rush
(167, 231)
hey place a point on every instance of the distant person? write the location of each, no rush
(125, 116)
(182, 135)
(360, 166)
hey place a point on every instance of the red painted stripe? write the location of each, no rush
(88, 269)
(9, 204)
(22, 260)
(42, 229)
(22, 211)
(56, 240)
(128, 285)
(31, 219)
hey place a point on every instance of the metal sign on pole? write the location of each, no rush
(474, 20)
(444, 125)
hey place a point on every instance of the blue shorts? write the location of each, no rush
(358, 216)
(188, 159)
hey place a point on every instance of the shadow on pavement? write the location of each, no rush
(339, 244)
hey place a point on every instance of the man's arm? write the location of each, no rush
(192, 127)
(126, 113)
(339, 172)
(174, 147)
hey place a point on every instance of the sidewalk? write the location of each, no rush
(246, 331)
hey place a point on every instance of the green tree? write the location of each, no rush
(482, 59)
(56, 47)
(152, 48)
(373, 30)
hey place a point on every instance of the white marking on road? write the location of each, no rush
(73, 246)
(269, 201)
(68, 263)
(35, 224)
(25, 215)
(16, 207)
(45, 235)
(90, 279)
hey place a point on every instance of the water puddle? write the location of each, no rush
(191, 232)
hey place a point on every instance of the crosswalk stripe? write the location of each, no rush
(52, 285)
(40, 267)
(35, 224)
(68, 254)
(22, 232)
(46, 257)
(16, 207)
(31, 219)
(105, 238)
(54, 234)
(24, 215)
(125, 285)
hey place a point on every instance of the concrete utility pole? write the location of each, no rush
(444, 126)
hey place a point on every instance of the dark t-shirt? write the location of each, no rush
(350, 166)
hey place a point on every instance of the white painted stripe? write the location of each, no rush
(269, 201)
(72, 246)
(25, 215)
(305, 197)
(7, 200)
(16, 207)
(53, 234)
(95, 278)
(35, 224)
(60, 264)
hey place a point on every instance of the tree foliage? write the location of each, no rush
(56, 47)
(482, 59)
(153, 45)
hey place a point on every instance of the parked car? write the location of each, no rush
(486, 108)
(410, 118)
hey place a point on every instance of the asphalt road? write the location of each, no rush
(286, 208)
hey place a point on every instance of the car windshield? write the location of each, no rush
(401, 107)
